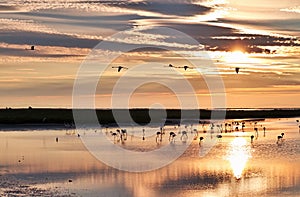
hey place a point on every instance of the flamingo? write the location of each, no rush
(252, 137)
(183, 133)
(279, 139)
(185, 67)
(158, 135)
(243, 126)
(119, 68)
(124, 133)
(172, 136)
(219, 137)
(114, 134)
(143, 134)
(200, 140)
(256, 131)
(171, 66)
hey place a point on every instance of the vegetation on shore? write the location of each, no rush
(105, 116)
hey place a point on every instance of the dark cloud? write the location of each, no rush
(207, 35)
(121, 17)
(290, 25)
(117, 22)
(7, 8)
(177, 8)
(46, 39)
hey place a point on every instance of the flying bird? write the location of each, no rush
(237, 69)
(185, 67)
(119, 68)
(171, 66)
(31, 48)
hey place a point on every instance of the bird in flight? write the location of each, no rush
(237, 69)
(31, 48)
(119, 68)
(185, 67)
(171, 66)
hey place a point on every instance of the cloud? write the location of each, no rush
(45, 39)
(7, 8)
(173, 8)
(294, 9)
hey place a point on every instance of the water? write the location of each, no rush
(233, 167)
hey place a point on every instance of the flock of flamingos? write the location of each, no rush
(183, 133)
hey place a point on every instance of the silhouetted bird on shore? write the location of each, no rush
(237, 69)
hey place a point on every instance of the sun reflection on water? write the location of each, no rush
(238, 155)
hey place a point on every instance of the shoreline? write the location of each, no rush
(63, 118)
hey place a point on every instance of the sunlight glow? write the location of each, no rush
(238, 156)
(237, 57)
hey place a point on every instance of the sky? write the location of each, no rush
(261, 37)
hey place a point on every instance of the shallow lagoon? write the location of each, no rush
(232, 167)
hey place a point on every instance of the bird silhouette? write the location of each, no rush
(200, 140)
(171, 66)
(185, 67)
(158, 136)
(119, 68)
(252, 137)
(237, 69)
(172, 136)
(31, 48)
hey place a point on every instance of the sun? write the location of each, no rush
(236, 57)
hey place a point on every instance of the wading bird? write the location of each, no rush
(158, 136)
(252, 137)
(183, 134)
(172, 136)
(280, 138)
(200, 140)
(237, 69)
